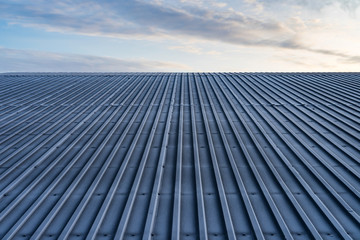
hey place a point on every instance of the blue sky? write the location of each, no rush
(179, 35)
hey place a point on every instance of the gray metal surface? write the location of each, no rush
(180, 156)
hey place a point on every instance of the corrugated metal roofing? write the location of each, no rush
(180, 156)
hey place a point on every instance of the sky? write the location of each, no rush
(179, 35)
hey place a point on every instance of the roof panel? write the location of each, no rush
(180, 155)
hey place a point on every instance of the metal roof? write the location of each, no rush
(180, 156)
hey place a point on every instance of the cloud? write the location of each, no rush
(14, 60)
(194, 50)
(349, 5)
(157, 19)
(258, 6)
(219, 4)
(306, 64)
(135, 18)
(345, 4)
(348, 58)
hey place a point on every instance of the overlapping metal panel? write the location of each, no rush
(180, 156)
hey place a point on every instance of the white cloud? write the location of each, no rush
(219, 4)
(194, 50)
(136, 18)
(348, 5)
(14, 60)
(185, 21)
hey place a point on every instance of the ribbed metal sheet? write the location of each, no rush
(180, 156)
